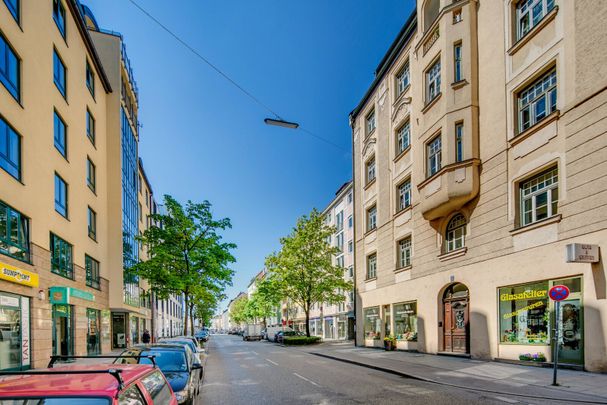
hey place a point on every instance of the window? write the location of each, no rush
(370, 170)
(350, 221)
(457, 62)
(405, 321)
(13, 8)
(529, 13)
(404, 252)
(92, 271)
(457, 16)
(370, 120)
(9, 68)
(351, 273)
(539, 197)
(339, 221)
(372, 266)
(433, 82)
(456, 233)
(60, 195)
(459, 141)
(404, 195)
(90, 126)
(339, 241)
(156, 385)
(372, 323)
(433, 149)
(59, 74)
(350, 247)
(60, 135)
(90, 79)
(537, 101)
(61, 257)
(371, 218)
(403, 138)
(10, 150)
(140, 183)
(14, 233)
(402, 80)
(91, 175)
(147, 197)
(524, 315)
(340, 261)
(140, 212)
(59, 16)
(131, 396)
(92, 222)
(349, 197)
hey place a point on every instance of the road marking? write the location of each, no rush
(305, 379)
(510, 401)
(255, 353)
(272, 362)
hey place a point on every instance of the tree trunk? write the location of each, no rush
(185, 315)
(307, 321)
(191, 320)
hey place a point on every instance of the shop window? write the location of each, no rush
(93, 337)
(14, 332)
(456, 233)
(61, 257)
(405, 321)
(372, 323)
(524, 314)
(14, 233)
(539, 197)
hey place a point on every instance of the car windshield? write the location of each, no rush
(190, 344)
(56, 401)
(167, 360)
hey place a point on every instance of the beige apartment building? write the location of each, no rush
(480, 158)
(53, 205)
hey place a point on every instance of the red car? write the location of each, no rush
(95, 384)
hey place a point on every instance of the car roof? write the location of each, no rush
(66, 384)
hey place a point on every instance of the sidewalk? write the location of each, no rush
(476, 375)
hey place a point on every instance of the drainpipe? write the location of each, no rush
(351, 119)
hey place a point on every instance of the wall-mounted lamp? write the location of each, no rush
(41, 295)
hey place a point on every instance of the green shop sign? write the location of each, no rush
(61, 295)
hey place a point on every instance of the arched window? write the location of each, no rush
(431, 9)
(456, 233)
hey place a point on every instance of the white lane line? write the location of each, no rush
(305, 379)
(272, 362)
(255, 353)
(508, 400)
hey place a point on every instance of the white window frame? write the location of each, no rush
(542, 91)
(372, 218)
(404, 195)
(529, 13)
(434, 155)
(403, 79)
(350, 246)
(370, 170)
(455, 234)
(534, 187)
(350, 221)
(404, 252)
(372, 266)
(433, 81)
(403, 138)
(370, 123)
(339, 241)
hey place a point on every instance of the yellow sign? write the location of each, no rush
(16, 275)
(525, 309)
(531, 294)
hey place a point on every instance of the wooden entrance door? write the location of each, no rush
(456, 331)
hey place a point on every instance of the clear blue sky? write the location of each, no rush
(311, 61)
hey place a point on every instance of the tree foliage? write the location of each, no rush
(303, 271)
(238, 311)
(187, 254)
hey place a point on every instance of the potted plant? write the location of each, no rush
(390, 343)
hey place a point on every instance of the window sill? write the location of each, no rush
(535, 128)
(369, 232)
(403, 153)
(93, 238)
(370, 279)
(370, 183)
(528, 36)
(401, 212)
(431, 103)
(62, 275)
(552, 220)
(453, 254)
(26, 261)
(459, 84)
(402, 269)
(63, 216)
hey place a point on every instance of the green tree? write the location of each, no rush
(187, 253)
(303, 269)
(238, 311)
(264, 300)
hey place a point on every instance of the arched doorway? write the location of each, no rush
(456, 315)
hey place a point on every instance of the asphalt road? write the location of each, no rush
(239, 372)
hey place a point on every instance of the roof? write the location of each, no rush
(402, 39)
(72, 384)
(339, 194)
(76, 11)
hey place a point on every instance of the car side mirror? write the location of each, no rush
(196, 366)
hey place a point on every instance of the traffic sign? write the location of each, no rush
(559, 292)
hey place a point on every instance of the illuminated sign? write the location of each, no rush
(17, 275)
(531, 294)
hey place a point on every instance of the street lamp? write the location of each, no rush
(281, 123)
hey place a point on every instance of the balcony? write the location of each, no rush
(449, 189)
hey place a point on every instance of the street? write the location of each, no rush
(239, 372)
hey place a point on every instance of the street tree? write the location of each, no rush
(265, 300)
(187, 254)
(303, 268)
(238, 311)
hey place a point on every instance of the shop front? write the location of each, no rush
(93, 334)
(66, 308)
(527, 320)
(329, 328)
(405, 325)
(372, 327)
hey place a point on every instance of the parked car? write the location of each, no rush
(202, 335)
(272, 330)
(280, 336)
(93, 384)
(198, 351)
(264, 333)
(178, 363)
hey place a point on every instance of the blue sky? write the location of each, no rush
(311, 61)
